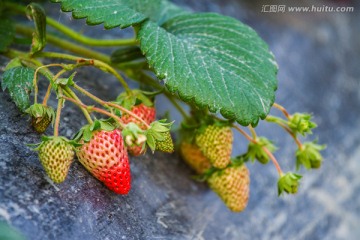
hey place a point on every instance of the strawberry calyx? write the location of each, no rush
(55, 139)
(301, 123)
(41, 116)
(256, 151)
(309, 155)
(85, 134)
(136, 97)
(288, 183)
(237, 161)
(157, 133)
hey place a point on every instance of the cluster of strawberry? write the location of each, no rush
(102, 146)
(208, 153)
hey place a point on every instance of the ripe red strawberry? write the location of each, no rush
(148, 114)
(106, 158)
(193, 156)
(232, 185)
(216, 144)
(56, 156)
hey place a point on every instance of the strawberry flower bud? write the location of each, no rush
(256, 151)
(289, 183)
(301, 123)
(309, 155)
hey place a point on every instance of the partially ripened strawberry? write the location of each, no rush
(215, 142)
(56, 155)
(166, 145)
(148, 114)
(232, 184)
(106, 158)
(193, 156)
(41, 117)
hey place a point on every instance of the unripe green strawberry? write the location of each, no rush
(148, 114)
(106, 158)
(165, 145)
(232, 184)
(216, 144)
(41, 117)
(193, 156)
(56, 156)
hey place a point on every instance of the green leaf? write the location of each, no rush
(7, 33)
(123, 13)
(18, 81)
(36, 12)
(213, 61)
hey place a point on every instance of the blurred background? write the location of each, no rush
(318, 54)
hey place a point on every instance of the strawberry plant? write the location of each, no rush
(215, 64)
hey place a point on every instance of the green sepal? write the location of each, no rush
(301, 123)
(37, 13)
(289, 183)
(44, 138)
(256, 151)
(309, 155)
(86, 132)
(135, 97)
(39, 110)
(66, 81)
(235, 162)
(156, 132)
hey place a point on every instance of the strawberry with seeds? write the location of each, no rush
(215, 142)
(232, 185)
(141, 106)
(104, 155)
(56, 155)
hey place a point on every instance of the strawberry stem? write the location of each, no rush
(286, 128)
(70, 93)
(47, 95)
(282, 109)
(104, 103)
(94, 62)
(99, 110)
(36, 89)
(58, 113)
(272, 157)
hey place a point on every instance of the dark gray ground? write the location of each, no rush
(319, 57)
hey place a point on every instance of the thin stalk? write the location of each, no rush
(87, 40)
(47, 95)
(93, 62)
(58, 113)
(104, 103)
(64, 44)
(272, 157)
(74, 35)
(36, 89)
(288, 130)
(95, 109)
(282, 109)
(71, 94)
(253, 133)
